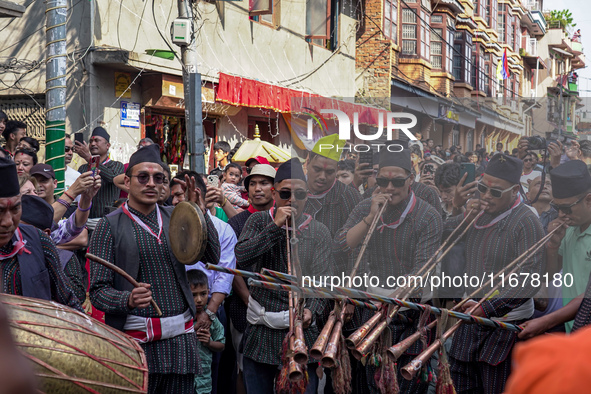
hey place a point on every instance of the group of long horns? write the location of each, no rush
(361, 342)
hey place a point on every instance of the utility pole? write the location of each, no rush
(56, 12)
(192, 89)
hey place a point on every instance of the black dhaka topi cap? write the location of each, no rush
(505, 167)
(291, 169)
(147, 154)
(100, 132)
(37, 212)
(10, 186)
(396, 154)
(570, 179)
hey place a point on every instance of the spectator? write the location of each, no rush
(429, 145)
(28, 185)
(12, 133)
(211, 339)
(577, 36)
(24, 159)
(416, 158)
(446, 180)
(428, 169)
(108, 170)
(345, 171)
(221, 150)
(144, 142)
(3, 120)
(499, 148)
(29, 143)
(528, 171)
(86, 186)
(231, 188)
(460, 159)
(71, 174)
(253, 161)
(585, 149)
(543, 203)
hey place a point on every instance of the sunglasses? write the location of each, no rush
(396, 182)
(496, 193)
(68, 148)
(567, 209)
(526, 160)
(299, 194)
(144, 178)
(249, 169)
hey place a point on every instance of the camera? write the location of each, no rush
(536, 142)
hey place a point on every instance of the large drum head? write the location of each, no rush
(188, 233)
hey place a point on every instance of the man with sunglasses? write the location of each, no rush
(569, 249)
(263, 244)
(505, 229)
(136, 238)
(528, 171)
(71, 174)
(407, 235)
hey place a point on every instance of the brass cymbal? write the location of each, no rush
(188, 233)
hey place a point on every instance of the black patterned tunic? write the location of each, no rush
(583, 316)
(178, 355)
(263, 245)
(488, 250)
(61, 288)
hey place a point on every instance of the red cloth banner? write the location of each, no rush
(244, 92)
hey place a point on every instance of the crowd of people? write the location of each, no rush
(217, 334)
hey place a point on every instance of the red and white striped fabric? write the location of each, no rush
(148, 329)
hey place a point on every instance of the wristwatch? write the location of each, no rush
(211, 315)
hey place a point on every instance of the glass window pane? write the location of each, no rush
(316, 18)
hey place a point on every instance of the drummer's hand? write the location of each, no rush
(203, 335)
(349, 310)
(140, 297)
(202, 321)
(283, 214)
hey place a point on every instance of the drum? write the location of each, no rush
(188, 233)
(72, 352)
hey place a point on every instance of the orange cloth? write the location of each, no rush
(552, 364)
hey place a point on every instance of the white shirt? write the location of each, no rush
(525, 178)
(220, 282)
(70, 177)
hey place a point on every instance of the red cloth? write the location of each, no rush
(246, 92)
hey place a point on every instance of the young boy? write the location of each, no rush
(210, 340)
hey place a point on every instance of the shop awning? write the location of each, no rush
(244, 92)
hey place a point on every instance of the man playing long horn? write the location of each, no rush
(480, 356)
(263, 244)
(407, 235)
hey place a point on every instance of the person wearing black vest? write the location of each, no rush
(38, 213)
(29, 261)
(135, 238)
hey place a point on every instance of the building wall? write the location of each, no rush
(227, 41)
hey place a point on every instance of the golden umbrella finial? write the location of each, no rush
(257, 133)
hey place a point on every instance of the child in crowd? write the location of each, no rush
(232, 191)
(210, 340)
